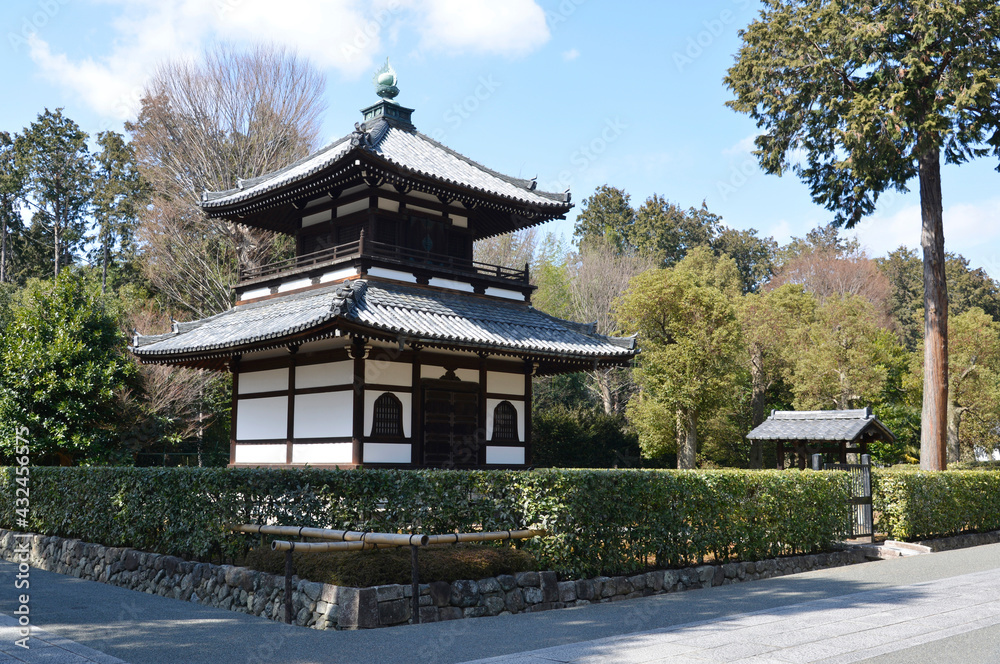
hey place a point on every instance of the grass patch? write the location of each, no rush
(360, 569)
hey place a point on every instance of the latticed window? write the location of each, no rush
(505, 422)
(388, 420)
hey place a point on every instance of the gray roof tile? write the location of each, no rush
(834, 425)
(412, 312)
(402, 147)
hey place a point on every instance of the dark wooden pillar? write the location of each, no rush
(359, 352)
(290, 424)
(416, 435)
(234, 368)
(482, 434)
(529, 371)
(781, 455)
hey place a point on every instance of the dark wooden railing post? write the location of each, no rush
(361, 241)
(415, 584)
(288, 586)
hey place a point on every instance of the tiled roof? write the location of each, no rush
(414, 313)
(402, 146)
(833, 425)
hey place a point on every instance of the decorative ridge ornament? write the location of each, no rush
(385, 80)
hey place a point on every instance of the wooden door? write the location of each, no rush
(451, 424)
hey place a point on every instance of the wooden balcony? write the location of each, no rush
(393, 257)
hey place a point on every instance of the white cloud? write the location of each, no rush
(342, 35)
(511, 27)
(570, 55)
(742, 147)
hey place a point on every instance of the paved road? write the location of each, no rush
(889, 605)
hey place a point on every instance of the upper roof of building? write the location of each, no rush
(417, 315)
(397, 145)
(832, 425)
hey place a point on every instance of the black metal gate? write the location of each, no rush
(862, 521)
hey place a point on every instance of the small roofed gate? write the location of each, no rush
(835, 435)
(862, 517)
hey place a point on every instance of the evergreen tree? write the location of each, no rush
(875, 93)
(52, 153)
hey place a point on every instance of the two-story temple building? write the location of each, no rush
(383, 342)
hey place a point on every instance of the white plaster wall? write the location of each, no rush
(262, 419)
(404, 398)
(518, 406)
(317, 453)
(505, 455)
(384, 372)
(386, 204)
(338, 275)
(272, 380)
(505, 383)
(452, 284)
(504, 293)
(324, 375)
(395, 275)
(255, 292)
(416, 208)
(274, 453)
(458, 220)
(294, 285)
(387, 453)
(326, 415)
(356, 206)
(318, 218)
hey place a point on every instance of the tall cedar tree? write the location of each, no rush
(120, 193)
(11, 184)
(52, 153)
(873, 93)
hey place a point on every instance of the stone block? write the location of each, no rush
(311, 589)
(393, 612)
(585, 589)
(488, 585)
(358, 608)
(638, 581)
(525, 579)
(654, 581)
(428, 614)
(464, 593)
(513, 601)
(533, 595)
(507, 582)
(387, 593)
(475, 612)
(719, 576)
(567, 591)
(549, 583)
(494, 605)
(450, 613)
(440, 593)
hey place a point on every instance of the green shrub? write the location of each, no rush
(607, 521)
(910, 504)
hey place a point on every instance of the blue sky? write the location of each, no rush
(577, 92)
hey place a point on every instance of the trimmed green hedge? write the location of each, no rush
(910, 504)
(601, 522)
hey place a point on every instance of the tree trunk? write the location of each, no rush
(687, 439)
(934, 417)
(3, 246)
(758, 399)
(602, 385)
(955, 413)
(104, 267)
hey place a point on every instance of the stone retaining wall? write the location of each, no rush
(961, 541)
(324, 606)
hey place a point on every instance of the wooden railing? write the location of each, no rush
(388, 253)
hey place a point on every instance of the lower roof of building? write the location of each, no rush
(383, 309)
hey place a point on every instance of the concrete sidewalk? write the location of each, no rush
(913, 594)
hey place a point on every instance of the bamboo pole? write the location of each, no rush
(383, 539)
(456, 538)
(321, 547)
